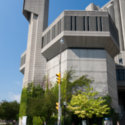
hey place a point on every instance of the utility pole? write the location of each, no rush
(59, 85)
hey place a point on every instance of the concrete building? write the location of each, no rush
(94, 45)
(33, 63)
(116, 10)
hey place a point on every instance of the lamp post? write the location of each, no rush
(59, 93)
(64, 103)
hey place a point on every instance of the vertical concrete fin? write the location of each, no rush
(36, 11)
(118, 22)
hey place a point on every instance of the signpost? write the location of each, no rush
(24, 119)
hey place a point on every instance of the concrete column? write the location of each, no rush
(36, 11)
(122, 13)
(118, 23)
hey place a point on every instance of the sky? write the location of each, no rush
(13, 40)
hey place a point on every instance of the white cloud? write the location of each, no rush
(18, 83)
(14, 97)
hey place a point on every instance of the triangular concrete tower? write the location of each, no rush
(32, 63)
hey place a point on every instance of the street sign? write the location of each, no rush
(24, 119)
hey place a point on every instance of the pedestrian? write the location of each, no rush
(14, 122)
(118, 123)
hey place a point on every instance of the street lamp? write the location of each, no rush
(59, 94)
(64, 103)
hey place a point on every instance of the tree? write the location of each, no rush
(37, 103)
(9, 110)
(68, 86)
(23, 104)
(87, 104)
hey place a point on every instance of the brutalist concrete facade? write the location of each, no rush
(116, 9)
(96, 63)
(33, 64)
(93, 39)
(90, 44)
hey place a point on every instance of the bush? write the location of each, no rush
(37, 121)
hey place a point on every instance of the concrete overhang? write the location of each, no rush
(31, 6)
(26, 13)
(22, 69)
(22, 64)
(81, 39)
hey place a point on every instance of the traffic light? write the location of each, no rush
(57, 105)
(58, 78)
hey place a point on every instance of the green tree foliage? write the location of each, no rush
(42, 106)
(9, 110)
(23, 106)
(69, 87)
(37, 121)
(37, 103)
(88, 104)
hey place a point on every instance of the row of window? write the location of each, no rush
(84, 23)
(74, 23)
(52, 33)
(80, 23)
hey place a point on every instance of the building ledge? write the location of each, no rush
(22, 64)
(81, 39)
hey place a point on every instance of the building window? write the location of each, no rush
(53, 32)
(59, 27)
(88, 23)
(71, 23)
(120, 74)
(75, 23)
(83, 23)
(96, 23)
(48, 37)
(120, 61)
(42, 43)
(100, 23)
